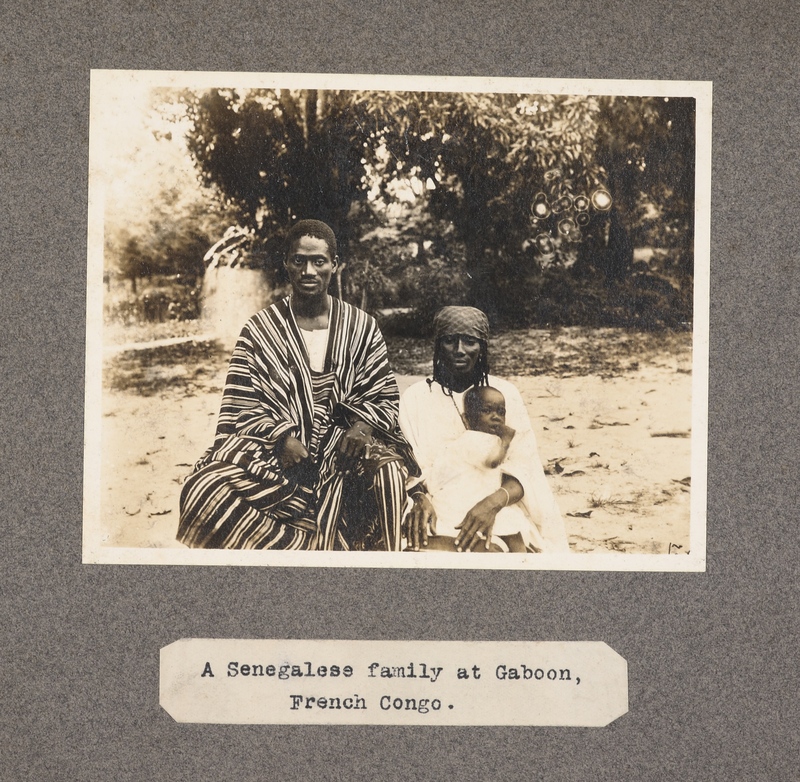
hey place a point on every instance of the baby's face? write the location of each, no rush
(490, 414)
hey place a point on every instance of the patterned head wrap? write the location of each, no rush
(468, 321)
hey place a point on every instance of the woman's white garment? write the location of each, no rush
(316, 345)
(465, 472)
(431, 421)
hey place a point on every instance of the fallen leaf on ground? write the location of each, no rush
(574, 472)
(670, 434)
(580, 514)
(160, 512)
(685, 481)
(609, 423)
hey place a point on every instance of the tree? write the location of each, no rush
(131, 262)
(551, 149)
(485, 158)
(647, 147)
(477, 162)
(169, 234)
(276, 156)
(158, 217)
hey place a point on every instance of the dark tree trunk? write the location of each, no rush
(618, 256)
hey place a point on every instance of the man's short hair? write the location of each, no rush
(315, 228)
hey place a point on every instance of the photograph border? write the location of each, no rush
(95, 552)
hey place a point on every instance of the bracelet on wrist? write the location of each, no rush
(508, 496)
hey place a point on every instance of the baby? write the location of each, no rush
(469, 469)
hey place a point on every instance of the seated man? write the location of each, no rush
(307, 454)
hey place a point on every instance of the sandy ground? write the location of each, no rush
(622, 485)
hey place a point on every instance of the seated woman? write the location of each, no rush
(432, 419)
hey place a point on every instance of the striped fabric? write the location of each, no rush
(239, 496)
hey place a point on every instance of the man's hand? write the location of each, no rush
(291, 452)
(417, 521)
(353, 443)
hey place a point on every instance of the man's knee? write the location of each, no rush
(391, 476)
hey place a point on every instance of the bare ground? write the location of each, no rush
(611, 410)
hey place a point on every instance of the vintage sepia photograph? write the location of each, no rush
(393, 321)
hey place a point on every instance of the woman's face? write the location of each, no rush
(460, 354)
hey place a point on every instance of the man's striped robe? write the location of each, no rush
(239, 496)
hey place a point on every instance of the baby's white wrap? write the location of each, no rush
(431, 421)
(466, 471)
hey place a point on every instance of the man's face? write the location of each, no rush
(460, 353)
(310, 266)
(489, 414)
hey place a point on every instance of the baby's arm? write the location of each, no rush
(506, 435)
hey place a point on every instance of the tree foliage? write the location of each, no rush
(460, 171)
(486, 156)
(280, 155)
(647, 146)
(170, 235)
(159, 219)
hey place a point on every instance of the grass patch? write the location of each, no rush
(574, 351)
(194, 366)
(599, 501)
(188, 368)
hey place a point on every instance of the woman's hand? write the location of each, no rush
(291, 452)
(417, 521)
(476, 529)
